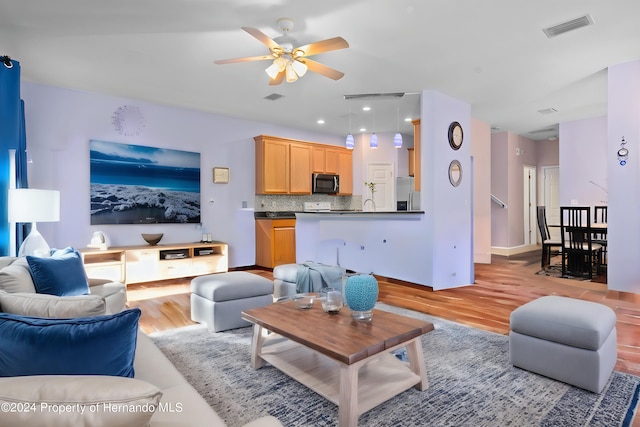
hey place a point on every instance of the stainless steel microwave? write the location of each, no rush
(324, 183)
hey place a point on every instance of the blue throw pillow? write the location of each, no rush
(99, 345)
(61, 274)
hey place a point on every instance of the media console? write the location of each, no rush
(145, 263)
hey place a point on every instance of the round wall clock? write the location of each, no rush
(128, 120)
(455, 135)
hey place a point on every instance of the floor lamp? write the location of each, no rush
(32, 205)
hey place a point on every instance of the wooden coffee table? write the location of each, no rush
(326, 352)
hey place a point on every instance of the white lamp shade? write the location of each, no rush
(299, 67)
(32, 205)
(397, 140)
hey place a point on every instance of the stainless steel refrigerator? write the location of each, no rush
(406, 197)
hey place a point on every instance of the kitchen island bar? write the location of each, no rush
(390, 244)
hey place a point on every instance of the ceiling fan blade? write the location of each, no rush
(245, 59)
(323, 46)
(279, 78)
(319, 68)
(262, 38)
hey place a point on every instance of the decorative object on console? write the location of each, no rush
(152, 239)
(99, 240)
(361, 294)
(33, 205)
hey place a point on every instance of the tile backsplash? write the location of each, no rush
(277, 202)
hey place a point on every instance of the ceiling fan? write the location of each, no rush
(291, 61)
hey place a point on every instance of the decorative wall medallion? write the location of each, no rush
(455, 135)
(455, 173)
(128, 120)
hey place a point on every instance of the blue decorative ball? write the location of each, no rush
(361, 292)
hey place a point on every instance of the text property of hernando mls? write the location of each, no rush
(85, 408)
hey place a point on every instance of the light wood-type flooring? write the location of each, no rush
(500, 287)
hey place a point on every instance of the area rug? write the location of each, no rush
(471, 383)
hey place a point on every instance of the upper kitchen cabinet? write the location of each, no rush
(272, 165)
(285, 166)
(324, 159)
(345, 171)
(299, 168)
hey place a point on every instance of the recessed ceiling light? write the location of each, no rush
(366, 108)
(320, 121)
(407, 119)
(363, 129)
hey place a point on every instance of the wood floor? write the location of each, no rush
(502, 286)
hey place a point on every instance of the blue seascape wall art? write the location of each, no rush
(134, 184)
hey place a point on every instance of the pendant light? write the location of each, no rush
(373, 141)
(397, 138)
(349, 143)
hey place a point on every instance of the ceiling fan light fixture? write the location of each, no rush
(290, 73)
(299, 67)
(397, 140)
(272, 70)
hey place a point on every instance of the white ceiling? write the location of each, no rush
(491, 54)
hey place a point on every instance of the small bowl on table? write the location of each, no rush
(304, 301)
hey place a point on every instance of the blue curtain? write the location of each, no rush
(11, 129)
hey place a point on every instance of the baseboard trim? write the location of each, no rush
(499, 250)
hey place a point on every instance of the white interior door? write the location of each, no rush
(530, 221)
(551, 197)
(384, 197)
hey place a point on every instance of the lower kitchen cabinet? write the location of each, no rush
(275, 242)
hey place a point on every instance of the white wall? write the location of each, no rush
(61, 122)
(623, 272)
(583, 162)
(448, 241)
(480, 139)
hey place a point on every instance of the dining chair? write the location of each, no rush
(548, 244)
(579, 253)
(600, 217)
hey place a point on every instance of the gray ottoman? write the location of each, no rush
(218, 299)
(566, 339)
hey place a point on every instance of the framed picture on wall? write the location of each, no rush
(135, 184)
(220, 175)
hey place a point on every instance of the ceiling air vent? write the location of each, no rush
(273, 96)
(548, 111)
(571, 25)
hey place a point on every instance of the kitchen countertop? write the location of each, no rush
(292, 214)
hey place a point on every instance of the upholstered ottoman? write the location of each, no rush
(218, 299)
(566, 339)
(285, 277)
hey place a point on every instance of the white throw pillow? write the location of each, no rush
(77, 400)
(16, 277)
(52, 306)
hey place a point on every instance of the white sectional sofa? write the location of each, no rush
(156, 380)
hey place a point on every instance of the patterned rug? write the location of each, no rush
(471, 383)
